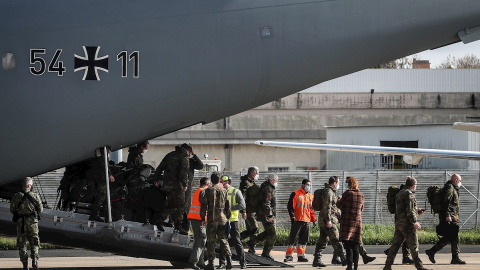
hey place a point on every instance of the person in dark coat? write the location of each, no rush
(173, 170)
(351, 205)
(448, 217)
(267, 213)
(135, 157)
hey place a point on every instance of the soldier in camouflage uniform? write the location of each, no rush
(174, 167)
(135, 157)
(194, 164)
(27, 205)
(251, 225)
(267, 215)
(406, 224)
(327, 223)
(216, 204)
(449, 214)
(96, 174)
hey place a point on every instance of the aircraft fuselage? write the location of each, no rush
(77, 76)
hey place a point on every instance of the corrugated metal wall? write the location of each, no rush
(373, 184)
(402, 80)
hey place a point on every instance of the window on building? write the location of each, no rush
(395, 162)
(278, 169)
(302, 168)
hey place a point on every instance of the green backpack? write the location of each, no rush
(252, 198)
(317, 203)
(434, 196)
(391, 195)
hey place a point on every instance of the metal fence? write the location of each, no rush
(373, 184)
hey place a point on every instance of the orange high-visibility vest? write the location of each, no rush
(194, 212)
(302, 206)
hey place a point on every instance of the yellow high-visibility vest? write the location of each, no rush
(231, 194)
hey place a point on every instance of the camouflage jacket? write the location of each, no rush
(406, 208)
(245, 183)
(97, 168)
(26, 208)
(329, 211)
(174, 167)
(135, 157)
(268, 201)
(215, 205)
(451, 202)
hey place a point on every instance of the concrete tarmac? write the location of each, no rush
(69, 259)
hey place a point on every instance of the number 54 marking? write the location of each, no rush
(54, 66)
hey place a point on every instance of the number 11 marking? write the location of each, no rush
(136, 68)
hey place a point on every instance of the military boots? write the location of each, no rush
(456, 260)
(25, 265)
(317, 262)
(251, 246)
(407, 260)
(336, 260)
(221, 264)
(229, 262)
(178, 226)
(344, 259)
(210, 265)
(35, 264)
(431, 254)
(367, 259)
(34, 261)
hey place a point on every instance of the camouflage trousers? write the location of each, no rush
(325, 234)
(408, 234)
(29, 233)
(268, 235)
(251, 227)
(175, 205)
(100, 195)
(214, 230)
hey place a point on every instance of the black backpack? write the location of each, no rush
(391, 196)
(434, 196)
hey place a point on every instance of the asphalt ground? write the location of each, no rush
(69, 259)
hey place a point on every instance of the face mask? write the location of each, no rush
(144, 151)
(346, 185)
(256, 177)
(220, 184)
(191, 156)
(459, 184)
(275, 184)
(307, 188)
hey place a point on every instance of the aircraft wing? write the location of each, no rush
(411, 156)
(474, 126)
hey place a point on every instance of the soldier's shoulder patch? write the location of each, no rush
(412, 196)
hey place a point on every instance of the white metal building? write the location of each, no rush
(399, 98)
(416, 136)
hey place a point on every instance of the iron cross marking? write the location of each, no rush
(91, 63)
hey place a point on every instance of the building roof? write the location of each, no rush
(403, 80)
(237, 136)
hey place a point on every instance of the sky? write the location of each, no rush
(437, 56)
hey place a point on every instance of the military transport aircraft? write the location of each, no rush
(78, 76)
(411, 156)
